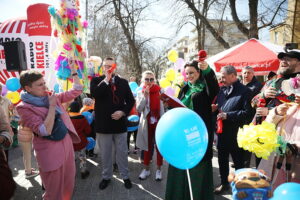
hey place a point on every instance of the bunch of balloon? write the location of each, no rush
(11, 90)
(172, 56)
(69, 30)
(182, 139)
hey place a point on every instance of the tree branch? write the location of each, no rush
(236, 19)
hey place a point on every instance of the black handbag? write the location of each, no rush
(59, 129)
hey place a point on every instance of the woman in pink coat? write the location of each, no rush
(54, 133)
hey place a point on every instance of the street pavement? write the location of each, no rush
(88, 189)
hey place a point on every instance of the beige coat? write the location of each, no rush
(5, 129)
(143, 107)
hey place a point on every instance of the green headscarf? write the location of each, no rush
(193, 88)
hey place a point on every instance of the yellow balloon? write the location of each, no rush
(172, 55)
(14, 97)
(170, 74)
(164, 83)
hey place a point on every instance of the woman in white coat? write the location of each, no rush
(150, 106)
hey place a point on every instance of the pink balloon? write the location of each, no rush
(4, 90)
(179, 64)
(170, 91)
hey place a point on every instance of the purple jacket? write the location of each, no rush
(49, 154)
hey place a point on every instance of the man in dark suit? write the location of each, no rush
(251, 82)
(113, 102)
(234, 108)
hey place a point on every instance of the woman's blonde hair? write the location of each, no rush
(145, 73)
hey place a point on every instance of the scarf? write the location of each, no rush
(74, 114)
(193, 88)
(86, 108)
(154, 96)
(38, 101)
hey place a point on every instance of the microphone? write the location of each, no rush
(202, 55)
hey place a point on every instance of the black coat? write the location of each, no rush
(202, 106)
(104, 106)
(238, 109)
(255, 86)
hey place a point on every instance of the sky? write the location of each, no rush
(159, 25)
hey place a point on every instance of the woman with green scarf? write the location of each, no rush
(198, 95)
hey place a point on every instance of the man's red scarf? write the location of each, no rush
(154, 100)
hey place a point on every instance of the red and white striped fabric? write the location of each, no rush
(4, 75)
(17, 25)
(12, 29)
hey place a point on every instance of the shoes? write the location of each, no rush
(103, 184)
(158, 175)
(144, 174)
(85, 174)
(221, 188)
(127, 183)
(32, 174)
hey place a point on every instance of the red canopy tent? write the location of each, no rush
(262, 56)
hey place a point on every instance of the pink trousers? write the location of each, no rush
(59, 183)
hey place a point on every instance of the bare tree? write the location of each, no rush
(254, 18)
(125, 16)
(262, 13)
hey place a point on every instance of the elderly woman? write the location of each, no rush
(198, 95)
(88, 105)
(150, 106)
(54, 133)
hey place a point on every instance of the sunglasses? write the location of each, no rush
(149, 79)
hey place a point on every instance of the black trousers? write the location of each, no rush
(224, 149)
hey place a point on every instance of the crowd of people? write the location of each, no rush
(54, 126)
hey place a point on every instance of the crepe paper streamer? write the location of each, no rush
(260, 139)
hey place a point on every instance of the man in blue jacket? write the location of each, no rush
(234, 110)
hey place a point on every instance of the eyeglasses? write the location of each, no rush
(149, 79)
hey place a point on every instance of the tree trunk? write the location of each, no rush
(137, 68)
(253, 31)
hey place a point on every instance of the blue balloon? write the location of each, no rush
(133, 86)
(133, 123)
(181, 137)
(13, 84)
(56, 88)
(91, 143)
(133, 118)
(89, 116)
(138, 89)
(290, 191)
(133, 128)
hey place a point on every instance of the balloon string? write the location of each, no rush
(190, 185)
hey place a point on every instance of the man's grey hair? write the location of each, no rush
(229, 69)
(248, 68)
